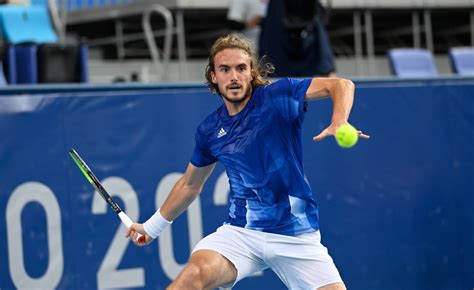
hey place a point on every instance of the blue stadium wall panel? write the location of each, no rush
(396, 210)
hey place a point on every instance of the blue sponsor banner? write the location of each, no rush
(396, 211)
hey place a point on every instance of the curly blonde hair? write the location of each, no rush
(260, 69)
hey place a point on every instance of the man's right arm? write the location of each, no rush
(185, 190)
(183, 193)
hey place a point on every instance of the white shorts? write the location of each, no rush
(301, 261)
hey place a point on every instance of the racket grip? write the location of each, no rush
(128, 223)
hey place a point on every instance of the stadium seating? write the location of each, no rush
(9, 65)
(22, 24)
(46, 63)
(27, 31)
(62, 63)
(462, 60)
(3, 81)
(412, 62)
(26, 64)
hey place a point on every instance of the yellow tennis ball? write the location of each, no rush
(346, 136)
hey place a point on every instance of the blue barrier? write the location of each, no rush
(396, 211)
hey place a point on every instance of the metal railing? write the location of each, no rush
(84, 11)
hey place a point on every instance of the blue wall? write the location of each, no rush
(396, 210)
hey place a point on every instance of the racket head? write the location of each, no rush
(81, 164)
(93, 179)
(101, 190)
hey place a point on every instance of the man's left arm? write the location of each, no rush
(342, 93)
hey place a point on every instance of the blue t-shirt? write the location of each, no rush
(261, 150)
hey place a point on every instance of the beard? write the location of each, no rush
(241, 99)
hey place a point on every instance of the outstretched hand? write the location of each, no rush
(133, 232)
(331, 131)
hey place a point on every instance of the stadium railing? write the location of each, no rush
(86, 11)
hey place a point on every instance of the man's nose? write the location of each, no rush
(233, 75)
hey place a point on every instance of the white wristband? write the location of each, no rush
(156, 224)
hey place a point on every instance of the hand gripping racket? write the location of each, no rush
(101, 190)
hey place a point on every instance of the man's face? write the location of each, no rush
(233, 75)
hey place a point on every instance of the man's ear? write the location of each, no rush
(213, 78)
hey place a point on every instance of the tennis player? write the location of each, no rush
(256, 135)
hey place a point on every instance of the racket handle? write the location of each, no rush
(128, 223)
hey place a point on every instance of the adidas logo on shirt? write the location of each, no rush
(221, 133)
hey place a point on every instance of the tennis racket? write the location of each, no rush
(101, 190)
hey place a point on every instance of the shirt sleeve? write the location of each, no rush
(288, 97)
(202, 156)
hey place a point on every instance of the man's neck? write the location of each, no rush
(235, 108)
